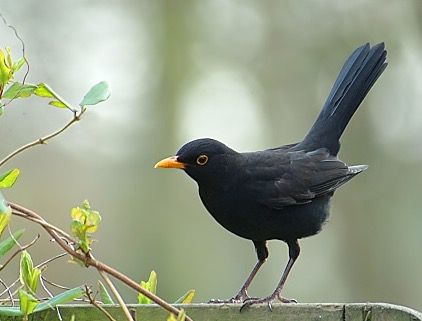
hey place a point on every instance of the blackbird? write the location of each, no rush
(282, 193)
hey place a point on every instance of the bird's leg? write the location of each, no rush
(242, 295)
(294, 251)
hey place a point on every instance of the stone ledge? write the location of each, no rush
(230, 312)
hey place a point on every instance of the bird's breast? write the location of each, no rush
(242, 215)
(226, 207)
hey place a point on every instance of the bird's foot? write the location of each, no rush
(267, 300)
(238, 298)
(221, 301)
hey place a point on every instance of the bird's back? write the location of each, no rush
(277, 193)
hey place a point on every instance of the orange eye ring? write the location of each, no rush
(202, 160)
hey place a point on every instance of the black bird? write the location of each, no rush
(282, 193)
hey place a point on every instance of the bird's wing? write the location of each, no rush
(298, 177)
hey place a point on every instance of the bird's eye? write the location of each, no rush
(202, 160)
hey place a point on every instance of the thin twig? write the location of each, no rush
(40, 265)
(95, 303)
(12, 236)
(31, 215)
(117, 295)
(8, 292)
(44, 223)
(58, 256)
(23, 51)
(3, 301)
(59, 315)
(21, 248)
(54, 284)
(60, 99)
(43, 140)
(89, 260)
(45, 288)
(39, 299)
(8, 289)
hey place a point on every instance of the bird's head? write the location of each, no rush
(202, 159)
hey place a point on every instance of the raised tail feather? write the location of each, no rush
(356, 78)
(356, 169)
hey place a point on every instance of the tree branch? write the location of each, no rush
(43, 140)
(95, 304)
(8, 292)
(43, 223)
(22, 248)
(117, 295)
(89, 259)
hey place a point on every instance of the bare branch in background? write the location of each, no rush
(8, 292)
(95, 303)
(22, 46)
(43, 140)
(21, 248)
(54, 284)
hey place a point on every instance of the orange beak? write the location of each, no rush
(170, 162)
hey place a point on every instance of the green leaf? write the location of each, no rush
(7, 244)
(86, 216)
(36, 273)
(105, 296)
(4, 220)
(142, 299)
(43, 90)
(57, 103)
(5, 72)
(18, 64)
(27, 302)
(186, 298)
(171, 317)
(28, 275)
(19, 90)
(26, 267)
(152, 281)
(76, 228)
(96, 94)
(65, 297)
(5, 213)
(84, 245)
(8, 179)
(85, 221)
(180, 317)
(9, 61)
(10, 311)
(151, 286)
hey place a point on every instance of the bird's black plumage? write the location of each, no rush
(282, 193)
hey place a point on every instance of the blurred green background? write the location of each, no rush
(251, 74)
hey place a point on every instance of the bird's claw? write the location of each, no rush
(220, 301)
(239, 298)
(285, 300)
(268, 300)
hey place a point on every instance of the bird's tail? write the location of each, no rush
(356, 78)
